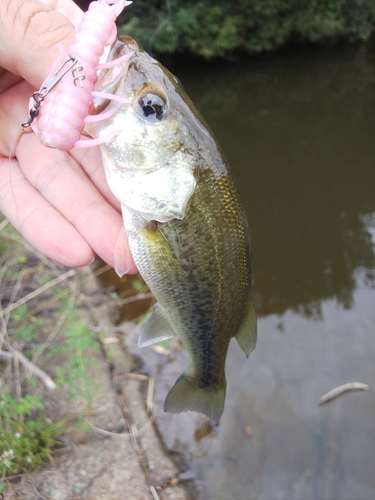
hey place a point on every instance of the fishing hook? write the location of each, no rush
(48, 85)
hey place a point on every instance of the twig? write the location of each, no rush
(342, 389)
(135, 376)
(40, 496)
(37, 292)
(134, 298)
(6, 318)
(134, 431)
(4, 224)
(153, 492)
(17, 356)
(109, 340)
(150, 394)
(51, 336)
(150, 386)
(6, 355)
(16, 364)
(101, 270)
(129, 300)
(101, 409)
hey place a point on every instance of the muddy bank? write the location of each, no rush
(121, 456)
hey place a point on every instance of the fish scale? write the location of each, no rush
(185, 224)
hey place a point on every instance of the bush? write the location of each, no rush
(216, 28)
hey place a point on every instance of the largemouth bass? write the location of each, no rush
(185, 225)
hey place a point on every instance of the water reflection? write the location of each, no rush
(298, 449)
(274, 440)
(301, 145)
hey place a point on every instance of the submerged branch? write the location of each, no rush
(342, 389)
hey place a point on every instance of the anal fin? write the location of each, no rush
(156, 328)
(247, 333)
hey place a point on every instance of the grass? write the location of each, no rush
(41, 325)
(26, 435)
(49, 339)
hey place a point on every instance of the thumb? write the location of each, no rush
(30, 31)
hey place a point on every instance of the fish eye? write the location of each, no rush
(153, 106)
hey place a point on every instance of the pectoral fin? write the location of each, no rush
(247, 334)
(157, 328)
(124, 262)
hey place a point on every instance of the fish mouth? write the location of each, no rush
(109, 79)
(126, 44)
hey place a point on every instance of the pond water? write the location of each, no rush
(299, 132)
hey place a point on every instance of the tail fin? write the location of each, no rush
(186, 395)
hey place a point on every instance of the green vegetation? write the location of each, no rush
(78, 347)
(49, 341)
(26, 436)
(40, 322)
(217, 28)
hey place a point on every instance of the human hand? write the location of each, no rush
(60, 202)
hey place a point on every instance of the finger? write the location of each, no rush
(29, 36)
(7, 80)
(90, 160)
(14, 111)
(66, 7)
(14, 106)
(38, 222)
(61, 181)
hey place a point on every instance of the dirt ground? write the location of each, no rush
(122, 457)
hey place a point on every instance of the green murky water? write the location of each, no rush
(299, 132)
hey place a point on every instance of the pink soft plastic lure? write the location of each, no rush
(59, 119)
